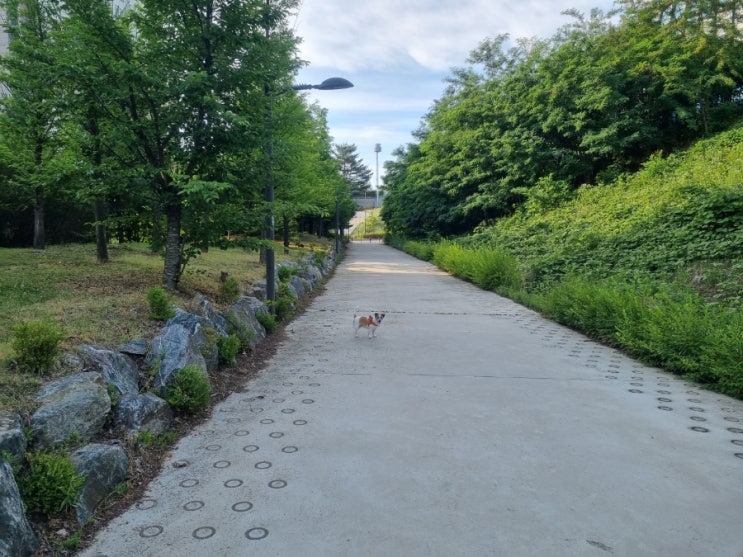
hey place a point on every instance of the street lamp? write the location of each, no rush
(330, 84)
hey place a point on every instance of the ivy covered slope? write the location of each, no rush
(681, 214)
(652, 263)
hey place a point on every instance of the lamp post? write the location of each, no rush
(330, 84)
(377, 150)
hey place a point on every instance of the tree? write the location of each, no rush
(29, 115)
(356, 174)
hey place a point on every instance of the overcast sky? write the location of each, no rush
(398, 52)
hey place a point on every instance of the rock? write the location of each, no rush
(68, 364)
(203, 307)
(77, 404)
(12, 438)
(146, 412)
(17, 538)
(117, 369)
(136, 347)
(104, 467)
(245, 311)
(301, 286)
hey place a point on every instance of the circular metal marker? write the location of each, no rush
(308, 401)
(203, 532)
(635, 391)
(256, 533)
(735, 430)
(278, 400)
(700, 429)
(193, 505)
(276, 434)
(256, 410)
(739, 455)
(694, 400)
(222, 464)
(300, 422)
(150, 531)
(288, 411)
(314, 384)
(213, 448)
(267, 421)
(189, 483)
(664, 392)
(738, 442)
(304, 376)
(242, 506)
(692, 393)
(297, 392)
(696, 409)
(233, 483)
(666, 408)
(263, 465)
(289, 449)
(250, 448)
(731, 419)
(145, 504)
(242, 433)
(277, 484)
(698, 419)
(233, 420)
(661, 399)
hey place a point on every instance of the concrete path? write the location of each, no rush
(470, 426)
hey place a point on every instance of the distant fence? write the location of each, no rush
(368, 202)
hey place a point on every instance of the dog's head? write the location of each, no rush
(378, 317)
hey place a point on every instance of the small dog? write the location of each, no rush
(370, 322)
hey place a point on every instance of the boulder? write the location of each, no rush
(146, 412)
(245, 311)
(203, 307)
(301, 286)
(182, 342)
(12, 438)
(17, 538)
(117, 369)
(138, 347)
(77, 404)
(104, 467)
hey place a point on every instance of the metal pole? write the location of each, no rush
(377, 150)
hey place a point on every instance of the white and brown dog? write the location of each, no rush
(369, 322)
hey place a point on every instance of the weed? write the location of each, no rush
(268, 320)
(245, 334)
(229, 291)
(161, 308)
(229, 346)
(49, 483)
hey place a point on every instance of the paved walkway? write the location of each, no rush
(470, 426)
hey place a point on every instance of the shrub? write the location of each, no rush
(229, 290)
(268, 320)
(36, 345)
(245, 334)
(160, 306)
(49, 484)
(189, 390)
(229, 346)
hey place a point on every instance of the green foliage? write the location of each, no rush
(148, 439)
(285, 303)
(286, 273)
(244, 334)
(36, 345)
(491, 269)
(229, 346)
(229, 290)
(49, 483)
(161, 307)
(189, 390)
(421, 250)
(268, 320)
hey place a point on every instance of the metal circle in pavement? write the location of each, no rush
(666, 408)
(242, 506)
(189, 483)
(735, 430)
(263, 465)
(256, 533)
(203, 532)
(277, 484)
(636, 391)
(233, 483)
(222, 464)
(289, 449)
(300, 422)
(193, 506)
(698, 418)
(250, 448)
(151, 531)
(700, 429)
(145, 504)
(738, 442)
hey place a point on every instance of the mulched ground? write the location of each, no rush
(145, 465)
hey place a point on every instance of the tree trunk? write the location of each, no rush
(101, 234)
(172, 270)
(39, 231)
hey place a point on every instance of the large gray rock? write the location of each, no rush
(77, 404)
(186, 339)
(245, 311)
(117, 369)
(146, 412)
(137, 347)
(12, 438)
(17, 538)
(104, 467)
(301, 286)
(203, 307)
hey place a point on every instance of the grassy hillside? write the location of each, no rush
(652, 263)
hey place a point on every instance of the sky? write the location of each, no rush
(397, 53)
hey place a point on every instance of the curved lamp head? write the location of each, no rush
(330, 84)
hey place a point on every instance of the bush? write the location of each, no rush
(36, 345)
(268, 320)
(244, 334)
(160, 306)
(229, 290)
(49, 484)
(229, 346)
(189, 390)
